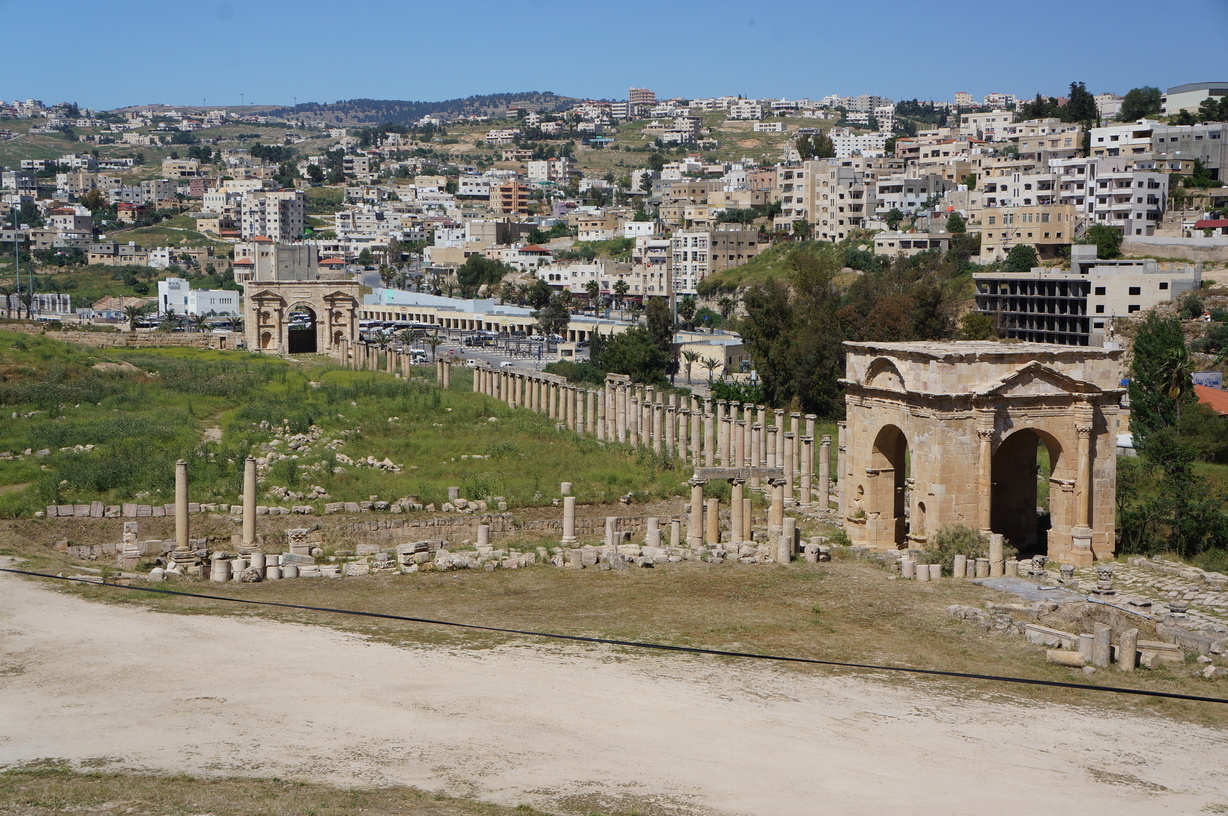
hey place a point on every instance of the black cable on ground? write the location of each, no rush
(645, 645)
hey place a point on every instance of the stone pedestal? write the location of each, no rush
(1102, 635)
(675, 534)
(786, 544)
(997, 562)
(652, 537)
(960, 569)
(1127, 650)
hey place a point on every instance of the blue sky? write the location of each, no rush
(133, 52)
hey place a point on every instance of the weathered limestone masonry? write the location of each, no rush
(117, 339)
(972, 416)
(332, 304)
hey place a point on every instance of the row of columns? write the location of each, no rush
(250, 486)
(702, 432)
(362, 356)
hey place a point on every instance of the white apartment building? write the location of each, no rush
(992, 126)
(849, 143)
(695, 254)
(1111, 191)
(746, 109)
(280, 215)
(906, 192)
(175, 294)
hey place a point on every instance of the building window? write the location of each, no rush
(1133, 307)
(1099, 308)
(1163, 284)
(1099, 290)
(1135, 290)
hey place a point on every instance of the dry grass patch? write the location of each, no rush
(45, 788)
(848, 611)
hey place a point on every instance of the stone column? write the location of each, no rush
(795, 425)
(477, 380)
(776, 514)
(784, 544)
(620, 398)
(660, 433)
(713, 522)
(675, 534)
(726, 452)
(984, 488)
(810, 425)
(739, 443)
(825, 473)
(1102, 647)
(709, 440)
(483, 536)
(1127, 650)
(790, 474)
(590, 413)
(697, 437)
(757, 444)
(806, 458)
(603, 413)
(748, 518)
(652, 536)
(249, 502)
(181, 505)
(671, 429)
(843, 462)
(695, 529)
(780, 439)
(1083, 488)
(997, 562)
(773, 433)
(736, 519)
(569, 521)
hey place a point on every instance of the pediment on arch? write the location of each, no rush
(883, 373)
(265, 294)
(1037, 380)
(339, 295)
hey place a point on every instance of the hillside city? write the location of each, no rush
(637, 456)
(623, 200)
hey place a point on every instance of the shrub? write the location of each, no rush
(948, 542)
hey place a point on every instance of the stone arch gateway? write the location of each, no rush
(333, 306)
(944, 434)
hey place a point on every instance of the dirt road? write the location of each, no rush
(561, 727)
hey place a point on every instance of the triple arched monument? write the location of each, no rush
(1010, 438)
(301, 316)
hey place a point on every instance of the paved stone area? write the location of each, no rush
(1029, 590)
(1206, 606)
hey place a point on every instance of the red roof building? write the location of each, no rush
(1216, 399)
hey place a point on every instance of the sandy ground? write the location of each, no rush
(694, 735)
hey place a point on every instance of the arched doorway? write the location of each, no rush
(1027, 489)
(886, 496)
(301, 331)
(266, 340)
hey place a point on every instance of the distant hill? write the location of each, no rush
(350, 112)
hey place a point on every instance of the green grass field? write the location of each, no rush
(142, 422)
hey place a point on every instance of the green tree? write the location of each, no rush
(133, 313)
(686, 309)
(1139, 103)
(554, 316)
(434, 341)
(478, 271)
(1106, 238)
(977, 326)
(956, 225)
(1081, 106)
(893, 218)
(539, 294)
(1021, 258)
(711, 364)
(620, 291)
(1160, 377)
(689, 358)
(635, 354)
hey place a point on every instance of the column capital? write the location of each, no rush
(697, 482)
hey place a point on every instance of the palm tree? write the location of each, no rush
(200, 322)
(434, 341)
(133, 312)
(690, 358)
(710, 363)
(620, 289)
(593, 290)
(27, 299)
(169, 320)
(726, 306)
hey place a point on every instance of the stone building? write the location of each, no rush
(946, 434)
